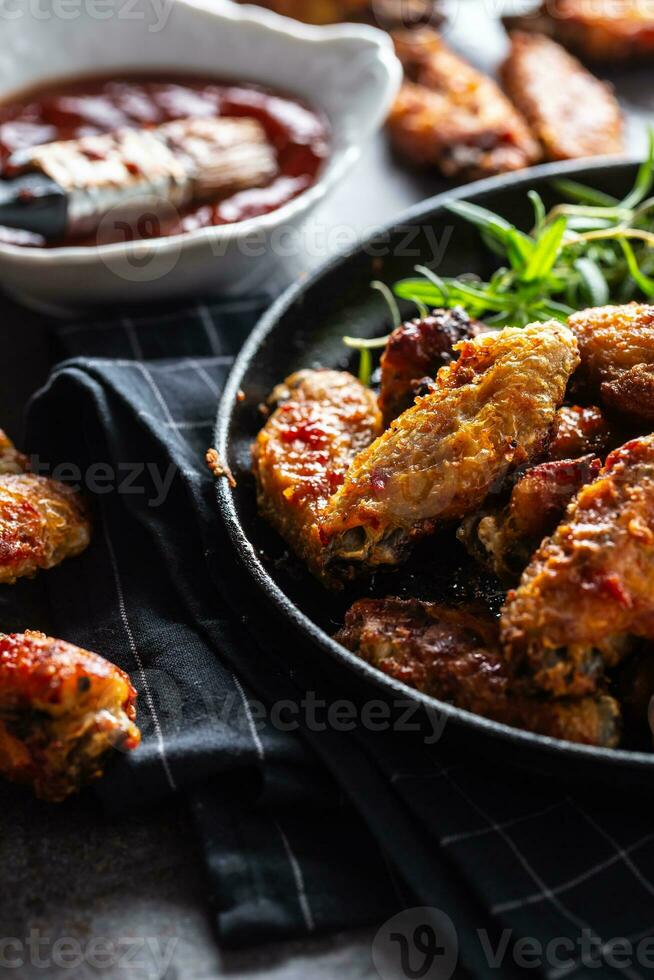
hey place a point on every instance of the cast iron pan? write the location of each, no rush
(304, 329)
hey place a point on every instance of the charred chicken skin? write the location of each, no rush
(42, 522)
(578, 116)
(589, 589)
(415, 352)
(453, 654)
(11, 461)
(61, 710)
(614, 30)
(504, 538)
(323, 419)
(489, 413)
(451, 116)
(616, 344)
(577, 431)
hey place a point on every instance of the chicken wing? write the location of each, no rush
(578, 116)
(452, 116)
(453, 654)
(11, 461)
(41, 523)
(490, 412)
(614, 30)
(415, 352)
(61, 710)
(301, 455)
(577, 431)
(616, 344)
(589, 589)
(504, 537)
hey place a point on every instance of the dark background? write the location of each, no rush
(69, 870)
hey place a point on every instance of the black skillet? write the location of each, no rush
(304, 329)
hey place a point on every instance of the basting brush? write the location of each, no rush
(64, 189)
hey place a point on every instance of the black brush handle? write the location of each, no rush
(34, 202)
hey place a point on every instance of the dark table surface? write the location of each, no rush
(69, 870)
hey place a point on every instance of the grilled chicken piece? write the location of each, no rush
(577, 431)
(571, 113)
(589, 589)
(11, 461)
(415, 352)
(504, 537)
(614, 30)
(489, 413)
(451, 116)
(453, 654)
(61, 710)
(323, 419)
(41, 523)
(616, 344)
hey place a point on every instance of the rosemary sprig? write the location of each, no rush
(586, 251)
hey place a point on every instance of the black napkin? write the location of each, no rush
(309, 829)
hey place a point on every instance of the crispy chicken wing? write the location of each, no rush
(590, 587)
(324, 418)
(41, 523)
(61, 710)
(453, 654)
(11, 461)
(415, 352)
(505, 536)
(452, 116)
(614, 30)
(490, 412)
(616, 344)
(578, 116)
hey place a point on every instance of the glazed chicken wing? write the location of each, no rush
(490, 412)
(589, 589)
(616, 344)
(504, 537)
(11, 461)
(323, 419)
(415, 352)
(613, 30)
(61, 710)
(578, 116)
(453, 654)
(577, 431)
(41, 523)
(451, 116)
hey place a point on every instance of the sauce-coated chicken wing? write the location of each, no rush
(578, 116)
(323, 419)
(489, 413)
(41, 523)
(452, 116)
(589, 589)
(453, 654)
(577, 431)
(504, 537)
(61, 710)
(616, 344)
(613, 30)
(415, 352)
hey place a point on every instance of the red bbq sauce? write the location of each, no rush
(93, 105)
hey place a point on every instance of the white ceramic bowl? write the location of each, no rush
(348, 71)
